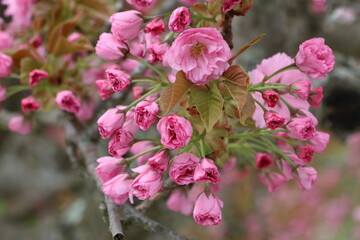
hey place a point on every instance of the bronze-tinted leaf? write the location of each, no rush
(248, 109)
(61, 30)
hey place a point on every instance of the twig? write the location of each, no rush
(227, 30)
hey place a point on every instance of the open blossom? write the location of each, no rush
(117, 188)
(315, 58)
(303, 89)
(183, 167)
(179, 202)
(105, 89)
(175, 131)
(228, 5)
(5, 65)
(2, 93)
(109, 49)
(67, 101)
(201, 53)
(263, 160)
(119, 80)
(180, 18)
(6, 40)
(160, 161)
(19, 125)
(140, 3)
(108, 168)
(206, 171)
(120, 143)
(315, 97)
(155, 27)
(36, 76)
(20, 11)
(29, 104)
(301, 128)
(274, 120)
(306, 153)
(157, 52)
(207, 210)
(271, 98)
(109, 122)
(146, 114)
(147, 184)
(308, 176)
(273, 181)
(126, 25)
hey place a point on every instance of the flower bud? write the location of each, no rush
(308, 176)
(119, 80)
(67, 101)
(120, 143)
(117, 188)
(29, 104)
(207, 210)
(147, 184)
(19, 125)
(108, 168)
(105, 88)
(271, 98)
(179, 19)
(274, 120)
(109, 49)
(155, 27)
(206, 171)
(109, 122)
(146, 114)
(315, 97)
(179, 202)
(160, 161)
(37, 75)
(183, 167)
(306, 153)
(126, 25)
(263, 160)
(301, 128)
(303, 89)
(273, 181)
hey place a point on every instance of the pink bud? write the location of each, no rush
(155, 27)
(179, 19)
(315, 97)
(146, 114)
(207, 210)
(301, 128)
(137, 92)
(36, 41)
(105, 88)
(120, 143)
(19, 125)
(179, 202)
(308, 176)
(206, 171)
(109, 49)
(5, 65)
(183, 167)
(119, 80)
(274, 120)
(228, 5)
(320, 141)
(263, 160)
(109, 122)
(108, 168)
(117, 188)
(67, 101)
(271, 98)
(37, 75)
(160, 161)
(273, 181)
(2, 93)
(126, 25)
(157, 52)
(86, 111)
(147, 184)
(306, 153)
(287, 170)
(303, 89)
(29, 104)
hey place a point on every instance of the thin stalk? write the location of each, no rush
(142, 81)
(129, 160)
(161, 75)
(147, 140)
(142, 98)
(145, 77)
(268, 88)
(262, 106)
(291, 66)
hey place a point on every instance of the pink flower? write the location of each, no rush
(308, 176)
(109, 122)
(207, 210)
(129, 124)
(318, 6)
(183, 167)
(146, 114)
(206, 171)
(109, 49)
(228, 5)
(117, 188)
(271, 98)
(157, 52)
(37, 75)
(126, 25)
(147, 184)
(86, 111)
(120, 143)
(287, 170)
(315, 58)
(108, 168)
(6, 40)
(179, 202)
(105, 88)
(137, 91)
(29, 104)
(180, 18)
(19, 125)
(315, 97)
(119, 80)
(67, 101)
(304, 89)
(201, 53)
(2, 93)
(90, 75)
(273, 181)
(274, 120)
(5, 65)
(306, 153)
(175, 131)
(155, 27)
(320, 141)
(20, 11)
(140, 147)
(36, 41)
(263, 160)
(140, 3)
(160, 161)
(301, 128)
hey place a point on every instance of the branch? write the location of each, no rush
(227, 30)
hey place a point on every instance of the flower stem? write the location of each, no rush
(142, 98)
(161, 75)
(262, 106)
(130, 159)
(147, 140)
(259, 89)
(288, 67)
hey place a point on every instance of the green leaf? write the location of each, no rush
(15, 89)
(209, 103)
(172, 94)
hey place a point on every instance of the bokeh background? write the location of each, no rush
(44, 196)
